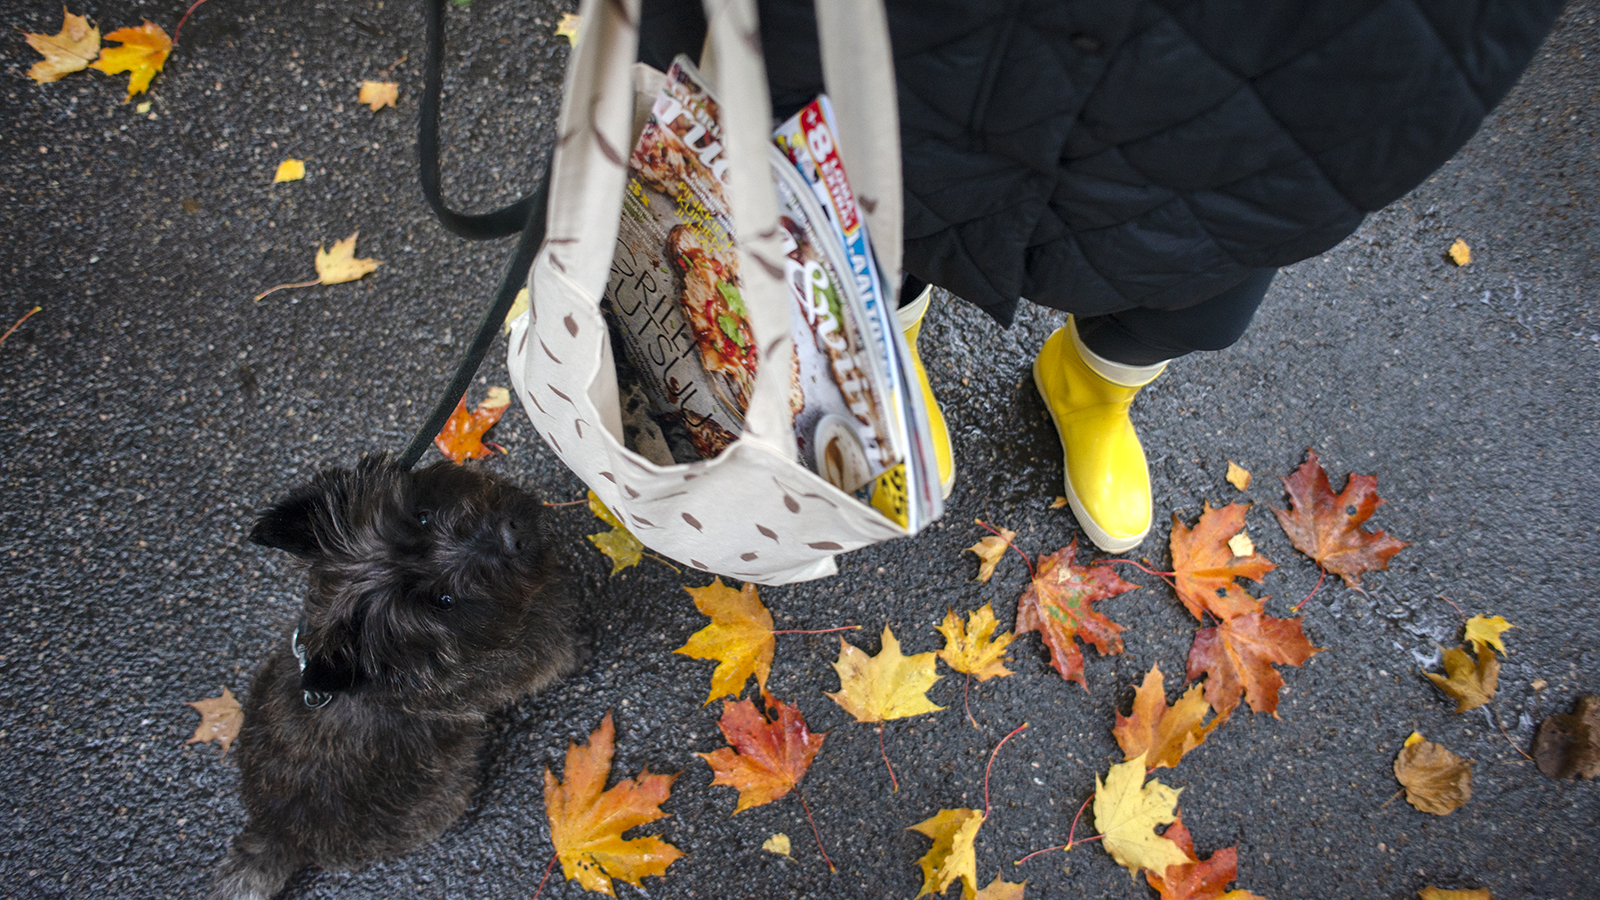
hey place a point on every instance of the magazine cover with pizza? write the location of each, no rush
(674, 288)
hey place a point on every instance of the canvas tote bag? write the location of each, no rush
(753, 512)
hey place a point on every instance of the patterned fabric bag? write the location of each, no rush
(753, 512)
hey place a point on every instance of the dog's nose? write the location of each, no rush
(517, 535)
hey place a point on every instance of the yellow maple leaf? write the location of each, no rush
(1486, 630)
(1470, 685)
(778, 843)
(1002, 890)
(142, 54)
(1238, 475)
(739, 637)
(378, 94)
(953, 855)
(519, 305)
(339, 264)
(568, 27)
(1127, 810)
(220, 718)
(1159, 733)
(587, 823)
(989, 550)
(69, 50)
(619, 543)
(290, 170)
(1460, 253)
(887, 686)
(972, 648)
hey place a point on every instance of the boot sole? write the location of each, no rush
(1098, 536)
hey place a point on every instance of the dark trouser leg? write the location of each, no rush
(1143, 337)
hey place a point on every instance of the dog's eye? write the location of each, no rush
(445, 601)
(423, 517)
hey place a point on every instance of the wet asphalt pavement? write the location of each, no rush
(150, 407)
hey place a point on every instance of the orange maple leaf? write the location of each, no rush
(461, 438)
(586, 822)
(767, 754)
(1237, 658)
(1160, 733)
(739, 637)
(1328, 529)
(1056, 604)
(1197, 880)
(1206, 566)
(142, 54)
(220, 718)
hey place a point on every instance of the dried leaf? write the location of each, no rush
(519, 305)
(778, 843)
(568, 27)
(69, 50)
(461, 438)
(339, 265)
(1436, 780)
(1058, 503)
(1460, 253)
(887, 686)
(378, 94)
(1002, 890)
(1126, 810)
(1159, 733)
(1568, 746)
(1238, 476)
(1471, 685)
(1433, 893)
(767, 754)
(1241, 545)
(953, 855)
(973, 649)
(142, 54)
(739, 637)
(1056, 604)
(1237, 658)
(619, 543)
(294, 170)
(1197, 880)
(587, 823)
(990, 550)
(1486, 630)
(1206, 564)
(1328, 529)
(220, 718)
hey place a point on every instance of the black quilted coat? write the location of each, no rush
(1100, 155)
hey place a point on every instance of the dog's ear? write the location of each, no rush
(297, 522)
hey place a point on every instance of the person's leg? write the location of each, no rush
(1088, 373)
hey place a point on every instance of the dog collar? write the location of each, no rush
(313, 699)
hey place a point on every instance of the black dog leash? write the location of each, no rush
(526, 216)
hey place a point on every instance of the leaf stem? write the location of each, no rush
(966, 692)
(568, 503)
(1296, 607)
(1164, 576)
(818, 630)
(663, 561)
(814, 832)
(1459, 610)
(1496, 713)
(986, 769)
(992, 530)
(881, 752)
(18, 323)
(179, 30)
(547, 869)
(297, 284)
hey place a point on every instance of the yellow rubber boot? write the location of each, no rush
(911, 326)
(1107, 480)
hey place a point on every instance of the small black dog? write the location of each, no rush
(431, 606)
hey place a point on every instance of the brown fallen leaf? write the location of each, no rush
(619, 543)
(1159, 733)
(972, 648)
(1127, 811)
(989, 551)
(1238, 476)
(587, 823)
(1196, 879)
(887, 686)
(1568, 746)
(1327, 527)
(739, 637)
(1436, 780)
(220, 718)
(1433, 893)
(953, 855)
(1237, 658)
(69, 50)
(1206, 565)
(1056, 604)
(378, 94)
(1460, 253)
(1470, 685)
(142, 54)
(461, 438)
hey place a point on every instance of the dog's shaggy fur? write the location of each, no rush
(431, 605)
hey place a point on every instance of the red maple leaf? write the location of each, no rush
(1056, 604)
(1327, 527)
(1237, 658)
(1197, 880)
(1206, 566)
(765, 758)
